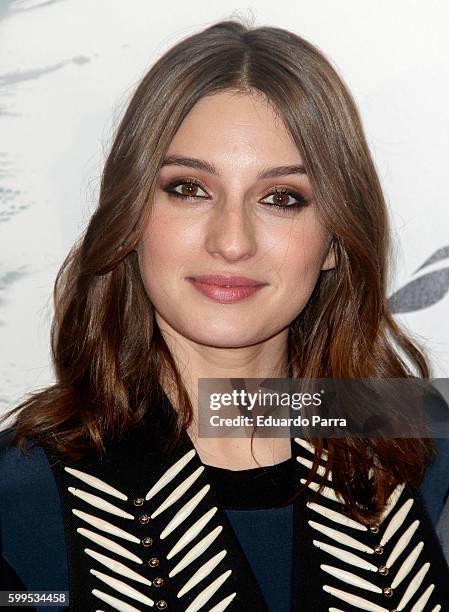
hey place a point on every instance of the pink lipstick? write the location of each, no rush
(226, 289)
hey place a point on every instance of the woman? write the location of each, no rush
(240, 162)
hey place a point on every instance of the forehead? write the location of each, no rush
(235, 126)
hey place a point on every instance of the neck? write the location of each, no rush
(194, 361)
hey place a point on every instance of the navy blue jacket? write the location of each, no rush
(42, 549)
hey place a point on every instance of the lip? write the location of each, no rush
(214, 287)
(222, 280)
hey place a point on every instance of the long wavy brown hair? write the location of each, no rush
(109, 355)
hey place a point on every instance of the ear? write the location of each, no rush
(330, 259)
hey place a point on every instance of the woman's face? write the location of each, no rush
(214, 213)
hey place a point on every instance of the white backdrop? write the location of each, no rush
(67, 70)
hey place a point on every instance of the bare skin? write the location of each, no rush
(230, 226)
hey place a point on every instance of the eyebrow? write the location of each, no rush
(201, 164)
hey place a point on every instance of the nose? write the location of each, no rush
(231, 233)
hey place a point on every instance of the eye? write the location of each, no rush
(284, 199)
(187, 189)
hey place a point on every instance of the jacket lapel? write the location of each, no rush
(144, 532)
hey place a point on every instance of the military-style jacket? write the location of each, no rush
(143, 532)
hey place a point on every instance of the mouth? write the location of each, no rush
(220, 280)
(226, 289)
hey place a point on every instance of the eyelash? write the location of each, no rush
(302, 201)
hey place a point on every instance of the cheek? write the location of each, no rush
(157, 232)
(301, 259)
(163, 252)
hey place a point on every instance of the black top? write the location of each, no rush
(262, 487)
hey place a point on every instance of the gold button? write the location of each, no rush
(374, 529)
(138, 501)
(378, 549)
(383, 569)
(153, 562)
(144, 519)
(147, 541)
(161, 604)
(158, 582)
(388, 592)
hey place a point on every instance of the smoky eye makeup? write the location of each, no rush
(185, 187)
(280, 197)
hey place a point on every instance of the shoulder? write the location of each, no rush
(436, 409)
(435, 486)
(28, 489)
(9, 452)
(31, 524)
(18, 469)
